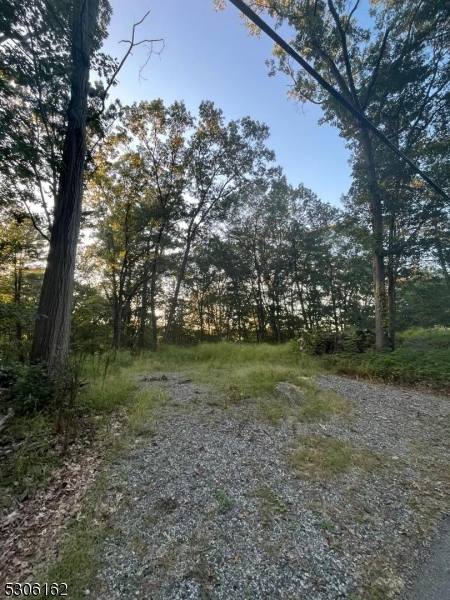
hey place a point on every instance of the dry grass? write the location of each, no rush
(319, 405)
(323, 456)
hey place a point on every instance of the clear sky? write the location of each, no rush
(209, 55)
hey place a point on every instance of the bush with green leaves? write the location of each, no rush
(31, 387)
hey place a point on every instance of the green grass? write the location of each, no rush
(225, 502)
(324, 456)
(410, 366)
(270, 499)
(36, 439)
(235, 372)
(435, 337)
(141, 417)
(78, 565)
(32, 460)
(319, 405)
(423, 361)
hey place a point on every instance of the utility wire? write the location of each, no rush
(256, 19)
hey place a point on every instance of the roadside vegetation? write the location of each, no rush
(422, 359)
(112, 390)
(35, 442)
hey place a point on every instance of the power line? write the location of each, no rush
(256, 19)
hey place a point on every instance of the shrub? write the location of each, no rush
(32, 390)
(31, 387)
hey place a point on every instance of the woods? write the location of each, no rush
(224, 360)
(191, 231)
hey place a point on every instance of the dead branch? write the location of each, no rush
(132, 44)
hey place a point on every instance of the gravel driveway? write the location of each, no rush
(209, 506)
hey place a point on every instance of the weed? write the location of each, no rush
(318, 405)
(327, 525)
(32, 457)
(141, 417)
(225, 502)
(78, 563)
(425, 360)
(270, 498)
(324, 456)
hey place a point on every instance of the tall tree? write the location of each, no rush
(221, 159)
(361, 62)
(52, 330)
(160, 133)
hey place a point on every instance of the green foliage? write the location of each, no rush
(33, 459)
(435, 337)
(322, 341)
(425, 360)
(423, 301)
(270, 498)
(225, 502)
(91, 321)
(31, 387)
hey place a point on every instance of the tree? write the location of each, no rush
(52, 330)
(221, 160)
(123, 204)
(372, 68)
(160, 133)
(21, 252)
(47, 51)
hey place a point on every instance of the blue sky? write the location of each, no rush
(209, 55)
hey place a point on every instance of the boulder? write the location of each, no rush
(289, 392)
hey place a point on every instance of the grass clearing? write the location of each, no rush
(324, 456)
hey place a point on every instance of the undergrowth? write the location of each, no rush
(428, 367)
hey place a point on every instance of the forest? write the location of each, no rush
(189, 229)
(154, 235)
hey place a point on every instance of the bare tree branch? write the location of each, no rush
(132, 44)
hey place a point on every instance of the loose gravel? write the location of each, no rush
(209, 506)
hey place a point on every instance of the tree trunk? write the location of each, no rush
(442, 262)
(117, 339)
(180, 278)
(17, 302)
(376, 215)
(392, 276)
(153, 289)
(52, 327)
(144, 301)
(391, 301)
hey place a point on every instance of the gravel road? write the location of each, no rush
(209, 506)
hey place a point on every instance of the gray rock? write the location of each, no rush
(290, 392)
